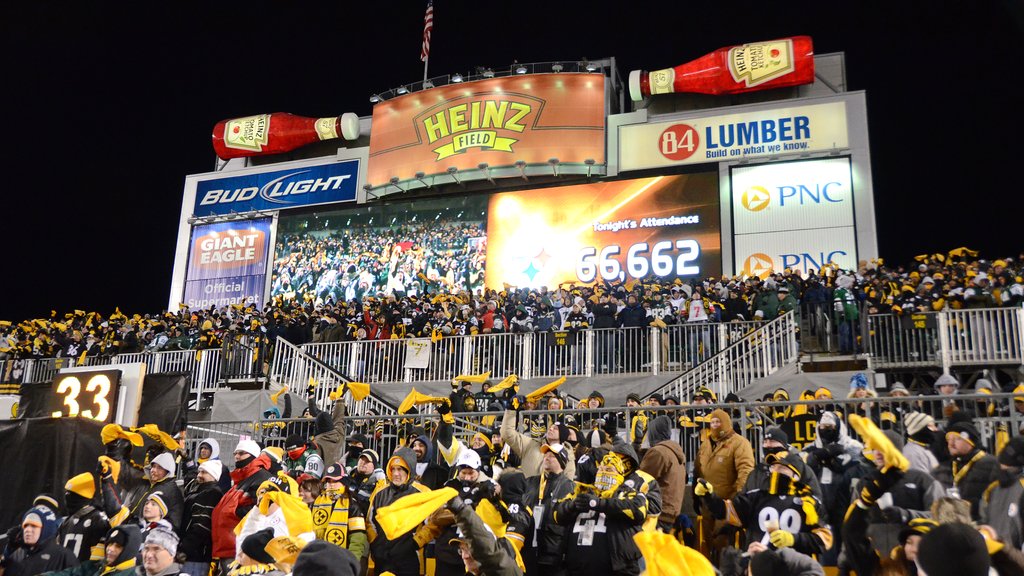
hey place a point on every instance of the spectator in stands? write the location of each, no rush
(724, 460)
(399, 556)
(38, 551)
(665, 461)
(86, 525)
(158, 552)
(970, 470)
(338, 516)
(251, 470)
(120, 547)
(543, 491)
(201, 499)
(846, 314)
(162, 480)
(835, 458)
(1002, 503)
(529, 447)
(921, 435)
(302, 458)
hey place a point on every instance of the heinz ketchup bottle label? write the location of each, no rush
(759, 62)
(662, 81)
(326, 128)
(248, 133)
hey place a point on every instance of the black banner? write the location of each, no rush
(802, 429)
(165, 401)
(36, 400)
(39, 455)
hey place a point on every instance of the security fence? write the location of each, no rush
(982, 337)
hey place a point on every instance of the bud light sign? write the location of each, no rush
(278, 190)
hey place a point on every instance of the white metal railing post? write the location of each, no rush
(1019, 314)
(467, 355)
(723, 337)
(588, 353)
(527, 357)
(654, 335)
(944, 342)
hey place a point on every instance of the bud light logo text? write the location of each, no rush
(278, 190)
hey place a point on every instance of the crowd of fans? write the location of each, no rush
(430, 306)
(906, 486)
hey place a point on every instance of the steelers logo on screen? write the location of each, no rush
(758, 264)
(755, 198)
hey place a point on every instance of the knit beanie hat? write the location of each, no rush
(249, 447)
(214, 468)
(953, 549)
(165, 461)
(917, 421)
(255, 545)
(371, 455)
(966, 430)
(768, 563)
(164, 538)
(158, 499)
(44, 518)
(321, 558)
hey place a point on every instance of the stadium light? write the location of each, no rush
(590, 165)
(394, 182)
(456, 77)
(519, 68)
(589, 66)
(554, 165)
(374, 99)
(521, 164)
(556, 67)
(487, 171)
(487, 73)
(427, 84)
(402, 90)
(420, 176)
(451, 172)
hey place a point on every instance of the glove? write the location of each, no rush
(518, 401)
(310, 390)
(483, 491)
(781, 539)
(683, 522)
(877, 483)
(581, 503)
(454, 483)
(444, 408)
(834, 450)
(455, 504)
(896, 515)
(703, 488)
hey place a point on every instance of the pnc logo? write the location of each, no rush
(486, 123)
(756, 198)
(758, 264)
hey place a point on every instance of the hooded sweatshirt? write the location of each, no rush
(400, 555)
(726, 460)
(667, 464)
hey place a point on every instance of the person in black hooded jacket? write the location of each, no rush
(40, 552)
(401, 555)
(605, 517)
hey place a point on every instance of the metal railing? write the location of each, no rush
(995, 417)
(982, 337)
(759, 353)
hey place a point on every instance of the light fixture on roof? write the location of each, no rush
(487, 73)
(427, 84)
(487, 171)
(556, 67)
(521, 164)
(554, 165)
(420, 176)
(374, 99)
(590, 165)
(589, 66)
(402, 90)
(519, 68)
(451, 172)
(456, 78)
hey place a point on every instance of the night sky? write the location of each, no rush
(107, 110)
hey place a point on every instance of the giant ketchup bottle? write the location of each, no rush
(734, 69)
(278, 132)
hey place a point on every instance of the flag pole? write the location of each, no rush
(426, 62)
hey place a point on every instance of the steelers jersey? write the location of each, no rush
(82, 531)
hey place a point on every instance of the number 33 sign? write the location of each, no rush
(90, 395)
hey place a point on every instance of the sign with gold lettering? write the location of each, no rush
(498, 121)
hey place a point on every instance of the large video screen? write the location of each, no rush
(662, 227)
(401, 249)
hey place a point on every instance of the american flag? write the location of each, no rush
(428, 25)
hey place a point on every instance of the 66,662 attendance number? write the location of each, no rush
(665, 258)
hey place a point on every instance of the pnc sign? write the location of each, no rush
(756, 198)
(758, 264)
(497, 121)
